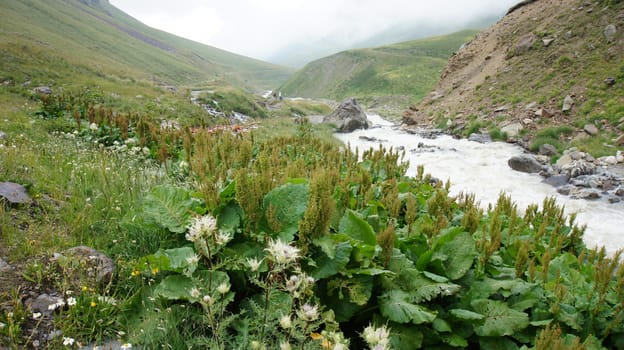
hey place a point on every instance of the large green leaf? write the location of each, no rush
(229, 218)
(499, 320)
(346, 296)
(288, 203)
(466, 315)
(179, 259)
(170, 207)
(396, 306)
(175, 287)
(405, 337)
(326, 266)
(456, 252)
(357, 228)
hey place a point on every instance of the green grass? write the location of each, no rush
(404, 69)
(61, 42)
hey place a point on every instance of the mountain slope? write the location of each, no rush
(406, 69)
(40, 37)
(520, 71)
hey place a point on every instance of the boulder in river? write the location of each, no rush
(525, 163)
(349, 116)
(481, 138)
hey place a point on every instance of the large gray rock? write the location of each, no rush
(610, 32)
(98, 266)
(349, 116)
(14, 193)
(512, 130)
(525, 43)
(44, 90)
(578, 167)
(481, 138)
(591, 129)
(42, 303)
(547, 150)
(557, 180)
(568, 102)
(525, 164)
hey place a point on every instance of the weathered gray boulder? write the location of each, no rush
(568, 102)
(349, 116)
(557, 180)
(512, 130)
(481, 138)
(98, 266)
(44, 90)
(547, 150)
(578, 167)
(591, 129)
(14, 193)
(525, 163)
(610, 32)
(525, 43)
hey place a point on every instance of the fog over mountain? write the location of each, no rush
(293, 32)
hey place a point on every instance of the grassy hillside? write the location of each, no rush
(404, 69)
(58, 40)
(496, 81)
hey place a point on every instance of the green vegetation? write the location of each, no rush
(404, 69)
(553, 135)
(80, 41)
(246, 240)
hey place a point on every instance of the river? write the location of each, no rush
(482, 169)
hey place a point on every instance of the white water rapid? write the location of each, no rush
(482, 169)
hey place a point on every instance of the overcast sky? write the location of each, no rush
(259, 28)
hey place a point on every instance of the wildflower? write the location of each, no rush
(223, 238)
(223, 288)
(285, 322)
(285, 346)
(201, 227)
(208, 300)
(84, 288)
(377, 338)
(135, 273)
(255, 345)
(293, 283)
(195, 293)
(2, 325)
(308, 313)
(36, 315)
(155, 271)
(68, 341)
(183, 165)
(9, 314)
(93, 126)
(126, 346)
(96, 348)
(254, 264)
(282, 253)
(93, 304)
(52, 307)
(193, 259)
(71, 301)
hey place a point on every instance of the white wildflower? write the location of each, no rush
(36, 315)
(126, 346)
(71, 301)
(68, 341)
(223, 238)
(52, 307)
(255, 345)
(308, 313)
(282, 253)
(195, 293)
(223, 288)
(285, 322)
(93, 127)
(285, 346)
(2, 325)
(201, 227)
(254, 264)
(293, 283)
(208, 300)
(193, 259)
(183, 165)
(377, 338)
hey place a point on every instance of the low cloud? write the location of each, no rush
(259, 28)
